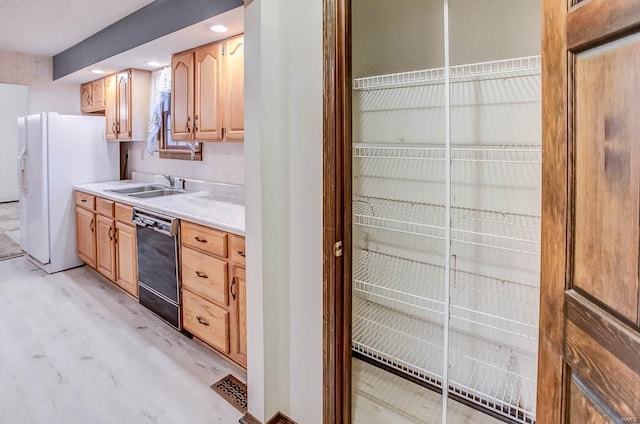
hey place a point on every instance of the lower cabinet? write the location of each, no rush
(86, 225)
(214, 289)
(107, 240)
(127, 260)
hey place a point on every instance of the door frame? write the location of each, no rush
(337, 211)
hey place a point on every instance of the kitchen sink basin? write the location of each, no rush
(158, 193)
(137, 189)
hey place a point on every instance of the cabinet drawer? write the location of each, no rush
(206, 321)
(84, 200)
(104, 207)
(205, 276)
(236, 250)
(204, 239)
(123, 213)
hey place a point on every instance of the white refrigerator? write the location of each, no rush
(55, 152)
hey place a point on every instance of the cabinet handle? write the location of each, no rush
(91, 226)
(84, 200)
(188, 127)
(200, 240)
(233, 283)
(113, 127)
(202, 321)
(201, 274)
(118, 127)
(111, 233)
(240, 253)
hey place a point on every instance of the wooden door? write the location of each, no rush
(111, 106)
(86, 237)
(106, 247)
(97, 95)
(85, 97)
(208, 93)
(182, 96)
(589, 352)
(238, 293)
(127, 259)
(123, 87)
(234, 89)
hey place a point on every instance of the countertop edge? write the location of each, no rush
(154, 208)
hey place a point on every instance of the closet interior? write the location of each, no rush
(446, 197)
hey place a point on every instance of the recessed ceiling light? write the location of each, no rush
(97, 71)
(154, 63)
(219, 28)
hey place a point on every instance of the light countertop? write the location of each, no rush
(209, 209)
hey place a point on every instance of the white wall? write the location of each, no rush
(221, 162)
(407, 35)
(283, 153)
(14, 102)
(45, 95)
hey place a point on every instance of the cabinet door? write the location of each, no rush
(234, 89)
(127, 261)
(97, 95)
(85, 97)
(106, 247)
(86, 225)
(208, 95)
(111, 106)
(238, 293)
(182, 96)
(123, 88)
(206, 320)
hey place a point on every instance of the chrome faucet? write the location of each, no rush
(172, 181)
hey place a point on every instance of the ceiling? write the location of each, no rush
(161, 49)
(47, 27)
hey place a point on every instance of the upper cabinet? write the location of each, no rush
(92, 98)
(207, 96)
(127, 105)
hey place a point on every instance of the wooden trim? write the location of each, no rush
(337, 211)
(592, 22)
(249, 419)
(280, 418)
(550, 408)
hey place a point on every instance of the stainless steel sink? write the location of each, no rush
(137, 189)
(158, 193)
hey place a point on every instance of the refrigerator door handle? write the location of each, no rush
(22, 170)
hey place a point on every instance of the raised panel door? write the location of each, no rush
(111, 107)
(127, 261)
(123, 125)
(86, 238)
(182, 96)
(234, 89)
(85, 97)
(105, 247)
(97, 95)
(238, 291)
(589, 350)
(208, 95)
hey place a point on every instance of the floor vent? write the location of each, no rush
(233, 391)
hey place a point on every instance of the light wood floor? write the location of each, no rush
(75, 349)
(383, 398)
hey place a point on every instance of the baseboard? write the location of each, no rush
(279, 418)
(249, 419)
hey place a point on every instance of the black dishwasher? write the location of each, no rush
(158, 271)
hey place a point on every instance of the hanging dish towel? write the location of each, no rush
(160, 92)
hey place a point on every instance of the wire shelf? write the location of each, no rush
(499, 69)
(414, 346)
(496, 153)
(501, 230)
(493, 303)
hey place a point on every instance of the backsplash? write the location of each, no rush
(221, 162)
